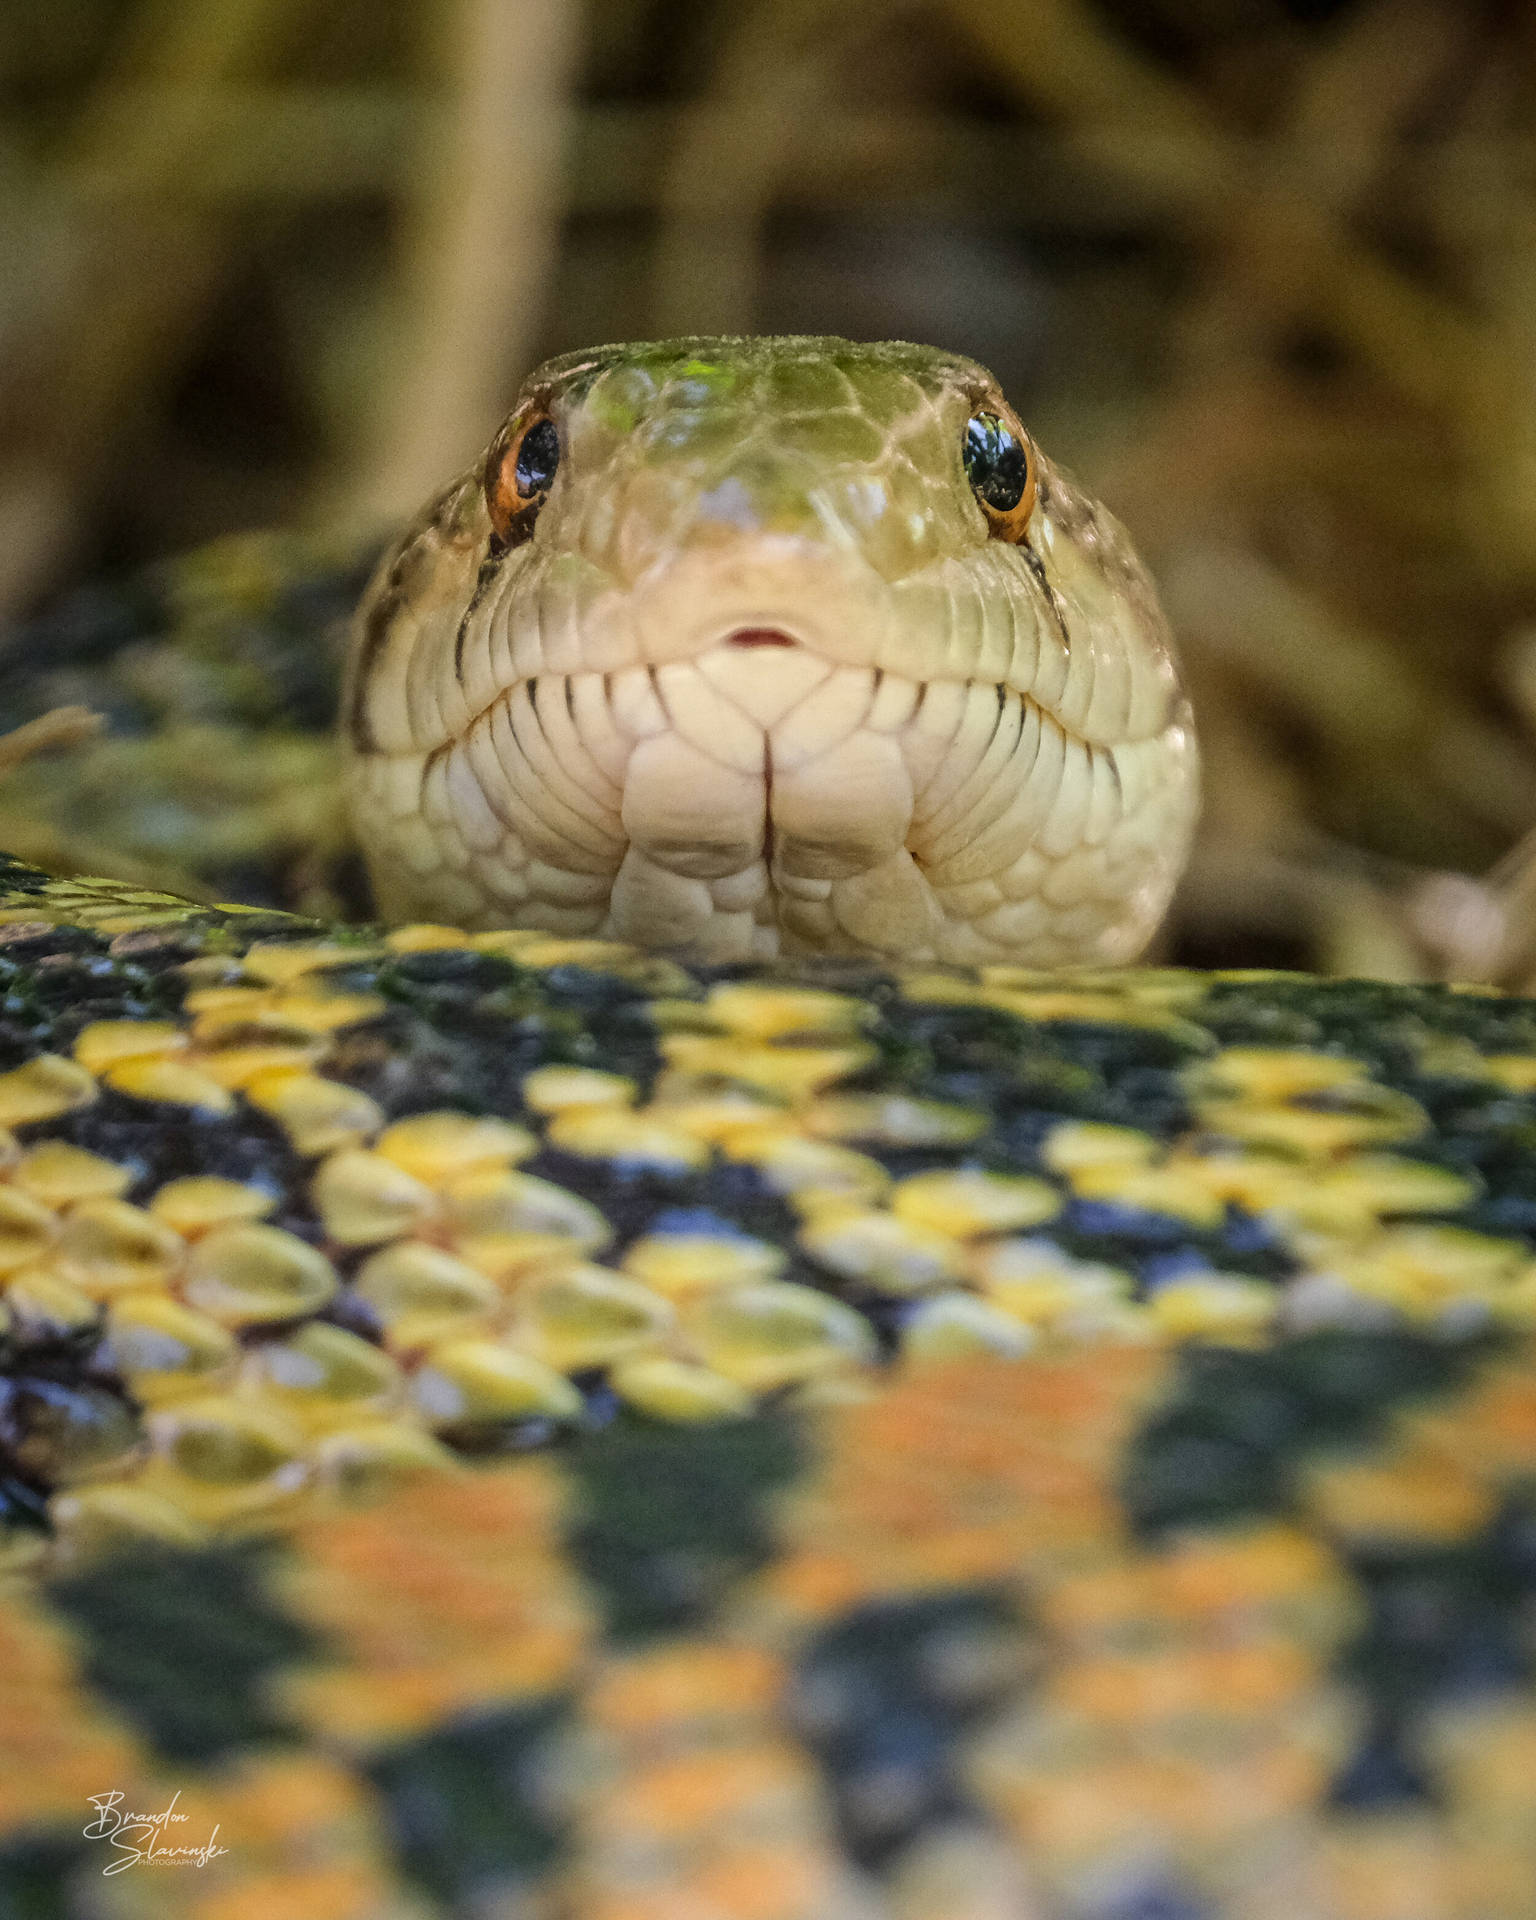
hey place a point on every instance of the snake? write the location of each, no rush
(775, 646)
(725, 1358)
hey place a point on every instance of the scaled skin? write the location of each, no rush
(957, 750)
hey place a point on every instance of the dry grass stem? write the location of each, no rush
(61, 727)
(477, 252)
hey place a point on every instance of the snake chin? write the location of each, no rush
(763, 801)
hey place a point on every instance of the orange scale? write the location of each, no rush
(973, 1457)
(882, 1561)
(496, 1625)
(886, 1513)
(436, 1560)
(510, 1507)
(1103, 1379)
(1258, 1678)
(429, 1591)
(1039, 1473)
(393, 1635)
(293, 1798)
(1087, 1432)
(1468, 1432)
(35, 1658)
(1096, 1810)
(41, 1781)
(700, 1790)
(957, 1557)
(1031, 1496)
(369, 1705)
(790, 1882)
(994, 1508)
(1198, 1809)
(53, 1723)
(361, 1605)
(1059, 1542)
(684, 1683)
(978, 1439)
(1491, 1879)
(1392, 1867)
(346, 1556)
(1103, 1603)
(831, 1560)
(627, 1903)
(1418, 1493)
(467, 1610)
(965, 1531)
(385, 1645)
(1500, 1770)
(55, 1768)
(1120, 1691)
(507, 1584)
(358, 1612)
(38, 1798)
(32, 1718)
(1280, 1780)
(530, 1662)
(817, 1582)
(1209, 1581)
(65, 1733)
(664, 1901)
(1502, 1415)
(345, 1891)
(426, 1581)
(874, 1438)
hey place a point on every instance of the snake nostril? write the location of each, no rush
(760, 637)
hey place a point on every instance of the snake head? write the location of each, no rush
(771, 645)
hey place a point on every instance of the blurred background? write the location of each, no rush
(1263, 272)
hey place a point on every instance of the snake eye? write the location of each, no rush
(1000, 465)
(519, 474)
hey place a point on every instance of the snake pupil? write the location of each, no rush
(538, 455)
(995, 462)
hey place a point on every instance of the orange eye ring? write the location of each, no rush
(1000, 463)
(520, 471)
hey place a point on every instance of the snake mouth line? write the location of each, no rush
(748, 637)
(753, 639)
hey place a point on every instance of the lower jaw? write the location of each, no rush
(764, 911)
(952, 848)
(891, 914)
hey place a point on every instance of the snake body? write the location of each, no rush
(724, 648)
